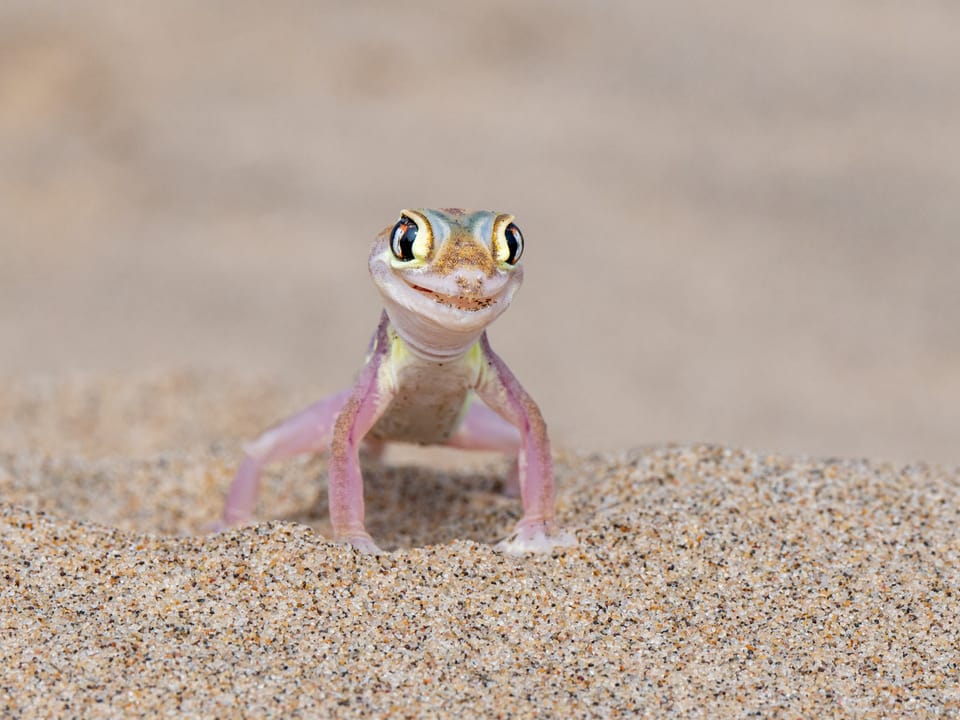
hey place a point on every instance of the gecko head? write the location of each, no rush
(450, 269)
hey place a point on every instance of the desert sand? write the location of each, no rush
(708, 581)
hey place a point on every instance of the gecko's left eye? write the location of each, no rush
(514, 243)
(402, 237)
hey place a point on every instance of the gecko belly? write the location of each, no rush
(429, 398)
(426, 409)
(424, 419)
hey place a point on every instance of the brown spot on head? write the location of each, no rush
(463, 251)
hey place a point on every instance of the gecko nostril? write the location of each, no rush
(470, 281)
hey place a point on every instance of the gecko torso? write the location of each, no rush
(429, 396)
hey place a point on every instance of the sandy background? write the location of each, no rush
(742, 220)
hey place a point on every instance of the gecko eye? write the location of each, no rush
(402, 237)
(514, 243)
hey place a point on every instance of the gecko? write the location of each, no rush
(430, 377)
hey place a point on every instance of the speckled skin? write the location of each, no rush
(444, 276)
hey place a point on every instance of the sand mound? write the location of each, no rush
(708, 580)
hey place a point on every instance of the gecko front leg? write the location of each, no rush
(537, 531)
(338, 422)
(367, 401)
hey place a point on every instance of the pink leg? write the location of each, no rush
(536, 531)
(360, 412)
(483, 429)
(307, 431)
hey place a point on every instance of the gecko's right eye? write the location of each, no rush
(514, 243)
(402, 237)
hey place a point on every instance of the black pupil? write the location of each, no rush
(514, 243)
(404, 233)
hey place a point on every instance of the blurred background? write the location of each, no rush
(742, 218)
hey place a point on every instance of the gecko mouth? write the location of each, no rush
(460, 302)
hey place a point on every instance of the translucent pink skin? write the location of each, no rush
(509, 422)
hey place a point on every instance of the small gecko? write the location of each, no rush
(444, 276)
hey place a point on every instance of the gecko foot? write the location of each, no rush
(536, 537)
(359, 540)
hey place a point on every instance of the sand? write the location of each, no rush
(709, 581)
